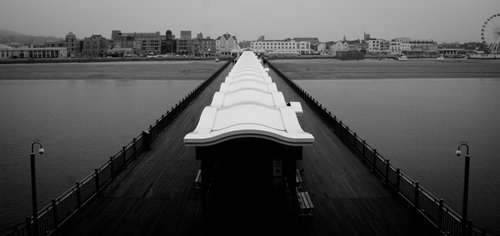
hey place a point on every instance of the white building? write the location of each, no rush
(281, 47)
(426, 45)
(321, 48)
(398, 47)
(339, 46)
(374, 45)
(225, 44)
(7, 52)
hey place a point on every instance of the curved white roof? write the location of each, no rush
(248, 104)
(248, 96)
(248, 72)
(263, 79)
(243, 84)
(249, 120)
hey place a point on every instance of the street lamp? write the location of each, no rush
(33, 184)
(466, 182)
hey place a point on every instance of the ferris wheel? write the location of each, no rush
(490, 33)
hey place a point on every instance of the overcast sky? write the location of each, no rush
(330, 20)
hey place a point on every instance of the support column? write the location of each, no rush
(289, 170)
(207, 167)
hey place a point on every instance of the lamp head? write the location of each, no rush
(458, 153)
(41, 151)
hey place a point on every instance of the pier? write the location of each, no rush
(152, 186)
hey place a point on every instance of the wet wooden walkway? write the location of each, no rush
(155, 194)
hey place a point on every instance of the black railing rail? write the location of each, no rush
(67, 204)
(432, 208)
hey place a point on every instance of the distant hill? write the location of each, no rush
(4, 33)
(12, 37)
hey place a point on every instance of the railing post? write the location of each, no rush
(96, 177)
(374, 160)
(29, 229)
(387, 166)
(335, 123)
(124, 150)
(440, 214)
(54, 213)
(398, 179)
(145, 139)
(134, 140)
(78, 195)
(469, 228)
(111, 165)
(347, 134)
(354, 141)
(364, 151)
(417, 189)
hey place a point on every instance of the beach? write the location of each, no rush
(387, 69)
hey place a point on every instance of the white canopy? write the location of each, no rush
(248, 104)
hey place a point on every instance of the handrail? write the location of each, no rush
(428, 205)
(53, 215)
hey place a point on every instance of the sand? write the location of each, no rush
(320, 69)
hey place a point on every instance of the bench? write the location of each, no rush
(305, 204)
(298, 179)
(197, 180)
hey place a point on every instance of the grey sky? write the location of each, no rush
(441, 20)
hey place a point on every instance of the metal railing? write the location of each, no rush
(432, 208)
(62, 208)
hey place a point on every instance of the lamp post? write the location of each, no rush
(466, 183)
(33, 185)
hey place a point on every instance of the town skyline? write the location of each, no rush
(443, 21)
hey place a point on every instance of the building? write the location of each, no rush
(55, 44)
(281, 47)
(125, 42)
(225, 44)
(419, 45)
(321, 48)
(313, 42)
(120, 52)
(142, 43)
(423, 45)
(7, 52)
(379, 46)
(244, 44)
(186, 34)
(339, 46)
(453, 52)
(374, 45)
(183, 46)
(366, 37)
(95, 46)
(170, 43)
(205, 47)
(147, 43)
(352, 45)
(73, 45)
(399, 47)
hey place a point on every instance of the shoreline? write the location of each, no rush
(93, 60)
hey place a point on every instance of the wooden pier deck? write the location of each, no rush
(155, 194)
